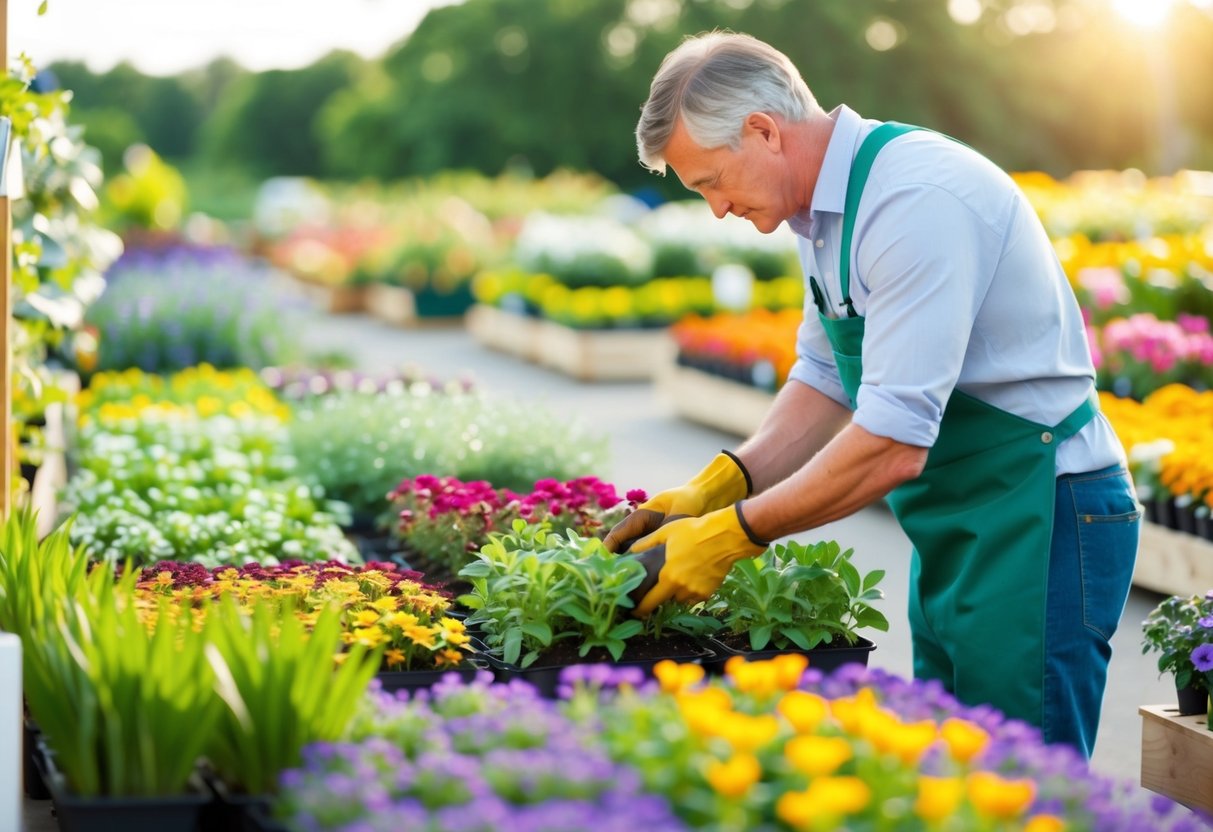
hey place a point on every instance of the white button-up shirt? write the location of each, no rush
(960, 289)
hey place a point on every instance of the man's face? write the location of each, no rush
(748, 182)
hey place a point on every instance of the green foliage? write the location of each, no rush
(126, 712)
(282, 687)
(1173, 629)
(35, 576)
(533, 588)
(358, 446)
(149, 193)
(267, 121)
(798, 595)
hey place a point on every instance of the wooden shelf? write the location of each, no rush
(713, 400)
(1173, 562)
(1177, 755)
(516, 335)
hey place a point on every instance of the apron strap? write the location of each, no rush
(1077, 420)
(860, 168)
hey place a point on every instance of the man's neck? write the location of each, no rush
(810, 140)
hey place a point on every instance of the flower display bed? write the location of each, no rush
(713, 400)
(503, 331)
(339, 299)
(602, 354)
(1177, 756)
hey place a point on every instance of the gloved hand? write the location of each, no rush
(699, 551)
(723, 482)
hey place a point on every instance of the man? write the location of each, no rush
(942, 364)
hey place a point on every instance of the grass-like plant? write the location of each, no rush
(126, 711)
(283, 687)
(35, 575)
(798, 594)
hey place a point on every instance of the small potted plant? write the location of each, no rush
(798, 598)
(544, 601)
(1175, 629)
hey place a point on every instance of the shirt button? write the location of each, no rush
(1046, 437)
(821, 243)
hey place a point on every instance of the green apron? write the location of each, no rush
(980, 517)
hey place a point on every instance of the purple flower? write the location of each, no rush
(1202, 657)
(1206, 622)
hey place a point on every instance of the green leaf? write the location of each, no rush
(760, 637)
(42, 7)
(512, 646)
(869, 617)
(539, 631)
(872, 578)
(626, 629)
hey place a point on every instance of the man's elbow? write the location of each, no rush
(908, 462)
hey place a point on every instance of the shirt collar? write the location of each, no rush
(830, 193)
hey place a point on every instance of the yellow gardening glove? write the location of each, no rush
(722, 483)
(699, 551)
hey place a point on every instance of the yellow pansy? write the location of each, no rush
(803, 710)
(817, 756)
(747, 733)
(964, 739)
(938, 797)
(734, 777)
(1045, 823)
(676, 677)
(995, 797)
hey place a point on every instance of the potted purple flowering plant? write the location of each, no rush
(1180, 630)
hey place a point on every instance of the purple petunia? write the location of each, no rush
(1206, 622)
(1202, 657)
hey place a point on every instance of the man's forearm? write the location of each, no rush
(856, 468)
(799, 424)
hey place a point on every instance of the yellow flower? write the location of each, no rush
(423, 636)
(745, 732)
(370, 636)
(938, 797)
(906, 741)
(1045, 823)
(675, 677)
(366, 618)
(761, 678)
(403, 620)
(826, 797)
(394, 657)
(164, 579)
(385, 604)
(448, 658)
(854, 712)
(964, 739)
(995, 797)
(817, 756)
(734, 777)
(789, 668)
(803, 710)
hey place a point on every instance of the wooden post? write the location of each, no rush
(6, 291)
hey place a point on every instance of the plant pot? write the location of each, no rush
(393, 681)
(1185, 519)
(261, 819)
(823, 657)
(1164, 510)
(546, 677)
(76, 813)
(1192, 700)
(31, 767)
(434, 304)
(231, 811)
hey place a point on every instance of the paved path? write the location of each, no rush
(651, 448)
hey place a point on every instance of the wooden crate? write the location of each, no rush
(1173, 562)
(516, 335)
(336, 300)
(713, 400)
(391, 304)
(603, 355)
(1177, 755)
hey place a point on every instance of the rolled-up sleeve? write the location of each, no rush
(927, 260)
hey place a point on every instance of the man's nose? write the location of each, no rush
(720, 207)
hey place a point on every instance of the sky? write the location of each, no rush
(163, 37)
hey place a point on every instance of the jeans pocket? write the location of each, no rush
(1109, 524)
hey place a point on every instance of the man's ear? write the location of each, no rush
(763, 127)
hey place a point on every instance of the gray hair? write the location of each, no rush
(712, 82)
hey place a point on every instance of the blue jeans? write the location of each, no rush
(1096, 527)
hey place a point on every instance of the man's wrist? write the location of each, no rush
(746, 528)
